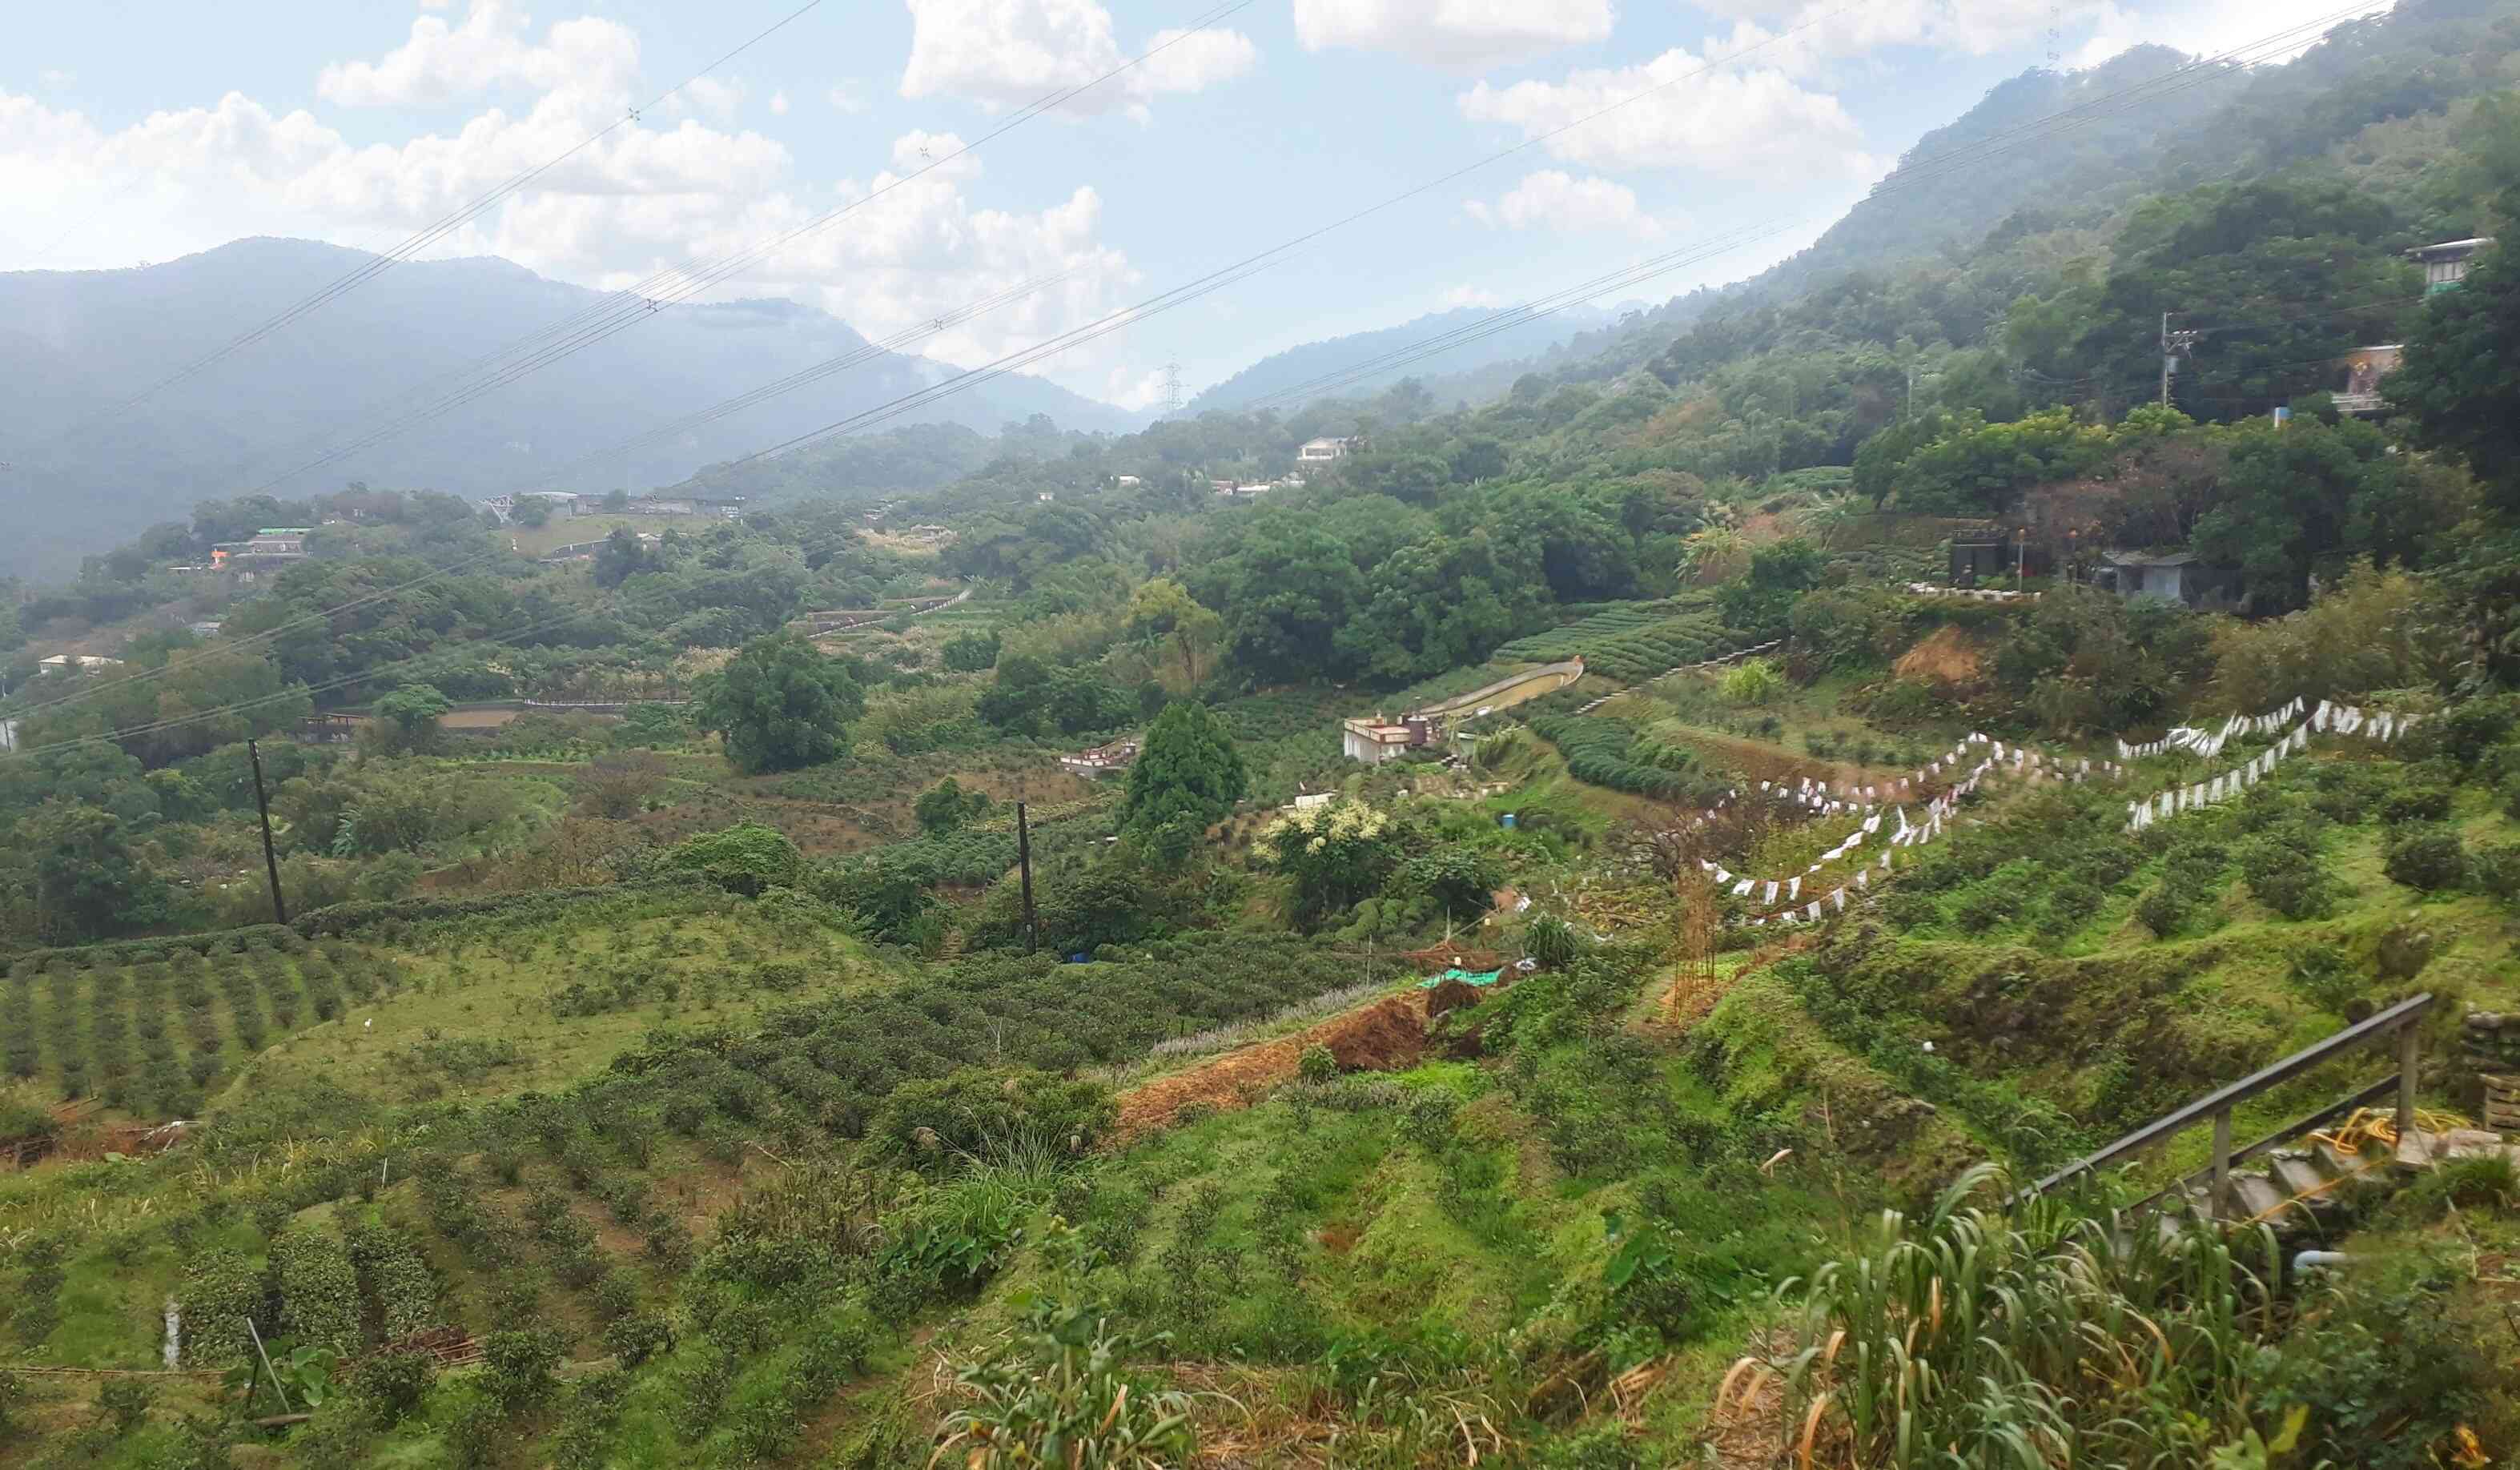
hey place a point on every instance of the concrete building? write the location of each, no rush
(1376, 740)
(2173, 576)
(1323, 451)
(2361, 371)
(2445, 264)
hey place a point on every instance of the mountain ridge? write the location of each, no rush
(75, 344)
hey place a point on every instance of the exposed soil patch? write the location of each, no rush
(1384, 1036)
(1949, 658)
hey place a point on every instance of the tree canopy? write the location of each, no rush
(781, 705)
(1187, 772)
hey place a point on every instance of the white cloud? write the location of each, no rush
(1706, 120)
(850, 96)
(779, 103)
(710, 97)
(649, 194)
(1011, 52)
(1806, 38)
(1131, 389)
(1466, 34)
(1554, 199)
(1470, 295)
(2199, 28)
(54, 79)
(585, 60)
(920, 148)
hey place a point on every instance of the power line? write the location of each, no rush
(1265, 259)
(1929, 172)
(671, 287)
(730, 406)
(428, 235)
(601, 321)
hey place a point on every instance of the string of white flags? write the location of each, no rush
(2328, 718)
(1765, 893)
(2198, 742)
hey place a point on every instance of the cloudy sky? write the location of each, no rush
(140, 130)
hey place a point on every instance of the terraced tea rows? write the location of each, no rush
(153, 1035)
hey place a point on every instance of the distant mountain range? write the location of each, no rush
(1297, 366)
(73, 344)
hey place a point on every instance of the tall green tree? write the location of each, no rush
(90, 879)
(410, 715)
(1163, 615)
(1187, 773)
(2309, 498)
(2460, 378)
(781, 705)
(622, 556)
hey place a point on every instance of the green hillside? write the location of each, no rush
(1017, 1033)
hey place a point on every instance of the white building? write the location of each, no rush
(1323, 451)
(1378, 739)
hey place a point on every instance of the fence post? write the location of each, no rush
(2222, 1186)
(2410, 1052)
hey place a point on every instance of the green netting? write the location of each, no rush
(1465, 976)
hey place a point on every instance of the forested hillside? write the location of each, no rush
(921, 974)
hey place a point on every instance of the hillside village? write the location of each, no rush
(1914, 862)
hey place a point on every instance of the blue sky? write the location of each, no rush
(141, 131)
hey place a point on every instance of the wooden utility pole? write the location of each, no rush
(270, 859)
(1023, 863)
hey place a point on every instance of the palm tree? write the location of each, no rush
(1828, 517)
(1714, 555)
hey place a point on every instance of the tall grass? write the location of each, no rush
(2033, 1338)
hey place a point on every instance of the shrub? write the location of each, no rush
(2287, 877)
(220, 1291)
(2430, 858)
(395, 1383)
(636, 1339)
(1752, 680)
(125, 1402)
(2497, 869)
(2326, 979)
(1317, 1065)
(2416, 802)
(319, 1289)
(2162, 909)
(746, 858)
(517, 1368)
(990, 1116)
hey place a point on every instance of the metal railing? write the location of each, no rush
(2401, 1021)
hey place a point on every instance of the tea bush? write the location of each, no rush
(2430, 857)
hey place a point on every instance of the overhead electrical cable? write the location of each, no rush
(1927, 172)
(430, 234)
(663, 289)
(1234, 274)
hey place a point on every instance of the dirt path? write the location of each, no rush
(1383, 1036)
